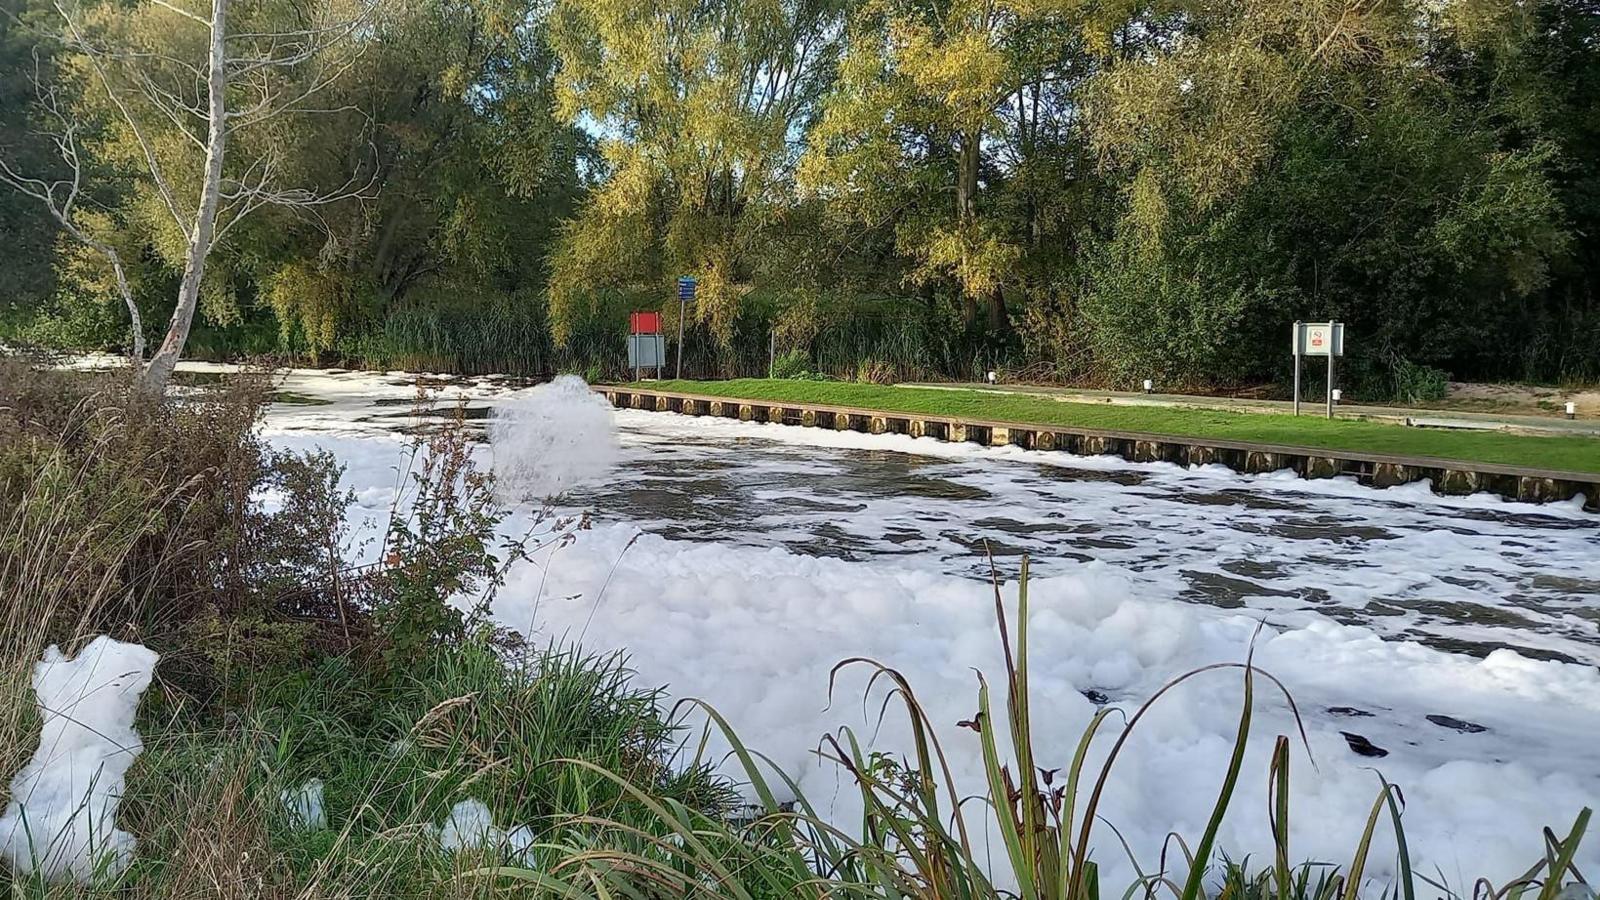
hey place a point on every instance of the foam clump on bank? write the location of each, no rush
(471, 826)
(61, 821)
(552, 438)
(304, 806)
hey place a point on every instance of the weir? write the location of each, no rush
(1447, 476)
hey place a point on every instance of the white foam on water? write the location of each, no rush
(755, 633)
(734, 595)
(703, 427)
(546, 440)
(61, 821)
(349, 398)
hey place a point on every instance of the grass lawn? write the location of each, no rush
(1573, 454)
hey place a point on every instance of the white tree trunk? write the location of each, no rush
(194, 264)
(136, 321)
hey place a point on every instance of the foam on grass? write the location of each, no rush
(304, 806)
(470, 826)
(61, 822)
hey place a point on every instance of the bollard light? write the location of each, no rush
(991, 376)
(1149, 385)
(1572, 410)
(1337, 395)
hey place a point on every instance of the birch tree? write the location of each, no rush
(180, 85)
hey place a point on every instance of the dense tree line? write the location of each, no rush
(1086, 191)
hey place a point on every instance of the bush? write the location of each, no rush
(146, 510)
(91, 448)
(280, 663)
(795, 363)
(1414, 383)
(874, 371)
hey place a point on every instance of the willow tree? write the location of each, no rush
(938, 103)
(171, 87)
(470, 170)
(699, 107)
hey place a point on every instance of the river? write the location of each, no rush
(736, 562)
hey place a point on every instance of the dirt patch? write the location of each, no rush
(1522, 399)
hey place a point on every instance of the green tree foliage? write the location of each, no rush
(1309, 161)
(940, 108)
(699, 107)
(27, 279)
(1099, 192)
(471, 173)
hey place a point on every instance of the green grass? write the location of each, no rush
(1574, 454)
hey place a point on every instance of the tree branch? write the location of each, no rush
(61, 208)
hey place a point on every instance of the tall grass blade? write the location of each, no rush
(1396, 802)
(1193, 887)
(1358, 865)
(1278, 815)
(1564, 853)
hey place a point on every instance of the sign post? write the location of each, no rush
(1316, 339)
(686, 286)
(1295, 340)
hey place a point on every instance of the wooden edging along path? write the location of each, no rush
(1448, 476)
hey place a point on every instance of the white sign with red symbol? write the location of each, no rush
(1319, 339)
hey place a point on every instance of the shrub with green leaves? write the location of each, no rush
(282, 663)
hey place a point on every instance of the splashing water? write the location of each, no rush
(552, 438)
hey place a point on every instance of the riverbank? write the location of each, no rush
(1458, 416)
(1579, 454)
(737, 562)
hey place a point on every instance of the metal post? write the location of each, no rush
(681, 313)
(1333, 344)
(772, 351)
(1296, 344)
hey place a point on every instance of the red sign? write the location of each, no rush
(644, 323)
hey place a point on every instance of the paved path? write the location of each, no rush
(1438, 418)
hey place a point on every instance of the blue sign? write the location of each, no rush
(686, 286)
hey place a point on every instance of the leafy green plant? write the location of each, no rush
(1416, 383)
(795, 363)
